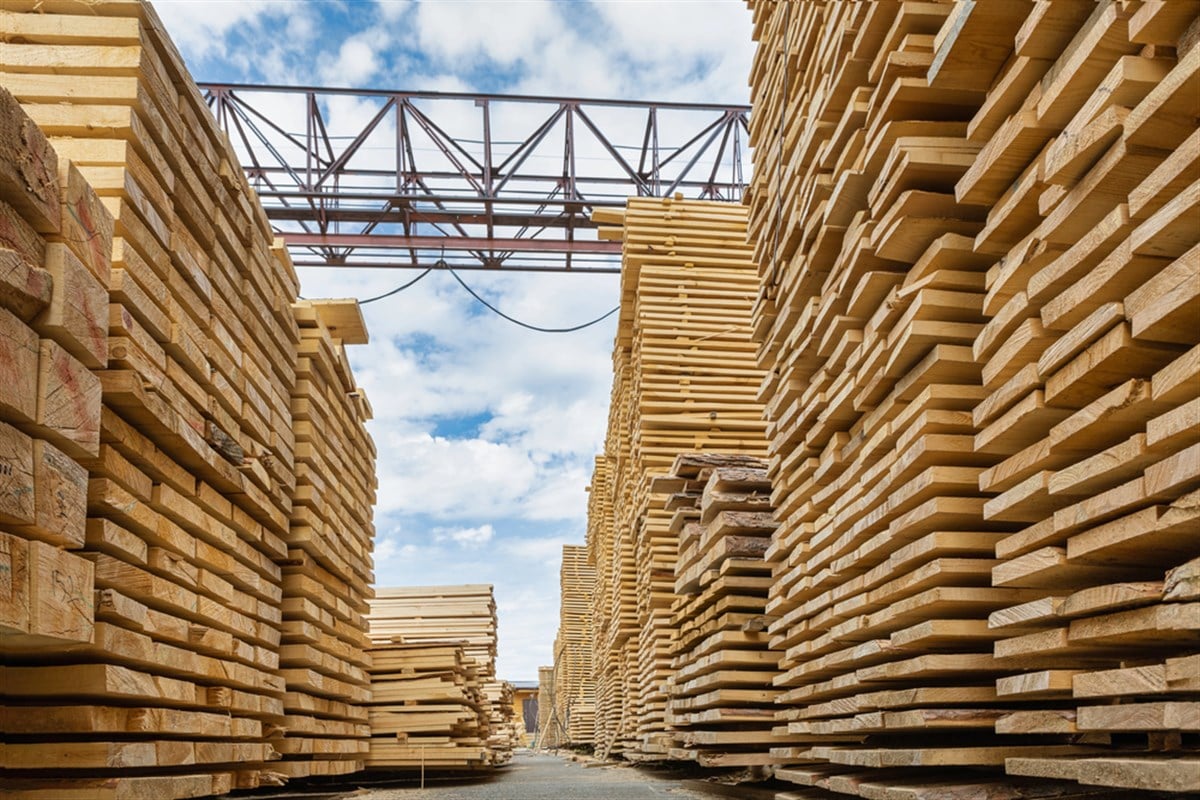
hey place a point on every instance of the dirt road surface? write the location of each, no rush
(543, 777)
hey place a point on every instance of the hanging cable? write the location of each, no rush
(539, 329)
(397, 289)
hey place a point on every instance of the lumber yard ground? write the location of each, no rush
(534, 776)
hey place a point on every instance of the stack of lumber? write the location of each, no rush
(976, 225)
(327, 576)
(462, 616)
(1091, 359)
(427, 710)
(871, 299)
(614, 619)
(52, 329)
(163, 368)
(551, 732)
(684, 380)
(575, 688)
(503, 734)
(722, 697)
(191, 345)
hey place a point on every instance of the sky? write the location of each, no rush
(486, 431)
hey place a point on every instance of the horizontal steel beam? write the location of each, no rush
(369, 241)
(503, 182)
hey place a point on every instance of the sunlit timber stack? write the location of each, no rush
(976, 226)
(685, 381)
(151, 339)
(328, 574)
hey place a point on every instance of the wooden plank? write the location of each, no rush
(28, 168)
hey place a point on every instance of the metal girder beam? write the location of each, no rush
(358, 177)
(385, 241)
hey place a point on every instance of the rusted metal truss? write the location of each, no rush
(363, 178)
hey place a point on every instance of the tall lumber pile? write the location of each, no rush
(327, 577)
(165, 362)
(722, 694)
(52, 315)
(684, 381)
(976, 225)
(611, 556)
(190, 464)
(574, 693)
(464, 616)
(1097, 242)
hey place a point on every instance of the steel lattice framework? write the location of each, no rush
(364, 178)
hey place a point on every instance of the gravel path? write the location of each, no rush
(542, 777)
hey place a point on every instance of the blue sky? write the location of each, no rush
(486, 432)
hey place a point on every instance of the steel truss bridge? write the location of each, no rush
(363, 178)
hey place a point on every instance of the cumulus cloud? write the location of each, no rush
(357, 59)
(484, 29)
(466, 537)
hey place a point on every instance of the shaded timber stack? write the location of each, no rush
(328, 573)
(153, 309)
(427, 709)
(574, 686)
(460, 615)
(977, 225)
(684, 381)
(722, 693)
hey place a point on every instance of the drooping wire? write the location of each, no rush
(515, 321)
(397, 290)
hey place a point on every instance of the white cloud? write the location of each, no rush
(465, 537)
(357, 60)
(198, 27)
(472, 29)
(394, 10)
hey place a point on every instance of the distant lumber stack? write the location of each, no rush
(437, 645)
(574, 695)
(327, 576)
(147, 422)
(551, 733)
(684, 380)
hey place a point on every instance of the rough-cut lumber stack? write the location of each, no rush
(464, 616)
(427, 709)
(871, 298)
(976, 225)
(167, 367)
(1091, 361)
(684, 380)
(575, 688)
(189, 468)
(327, 577)
(722, 697)
(52, 309)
